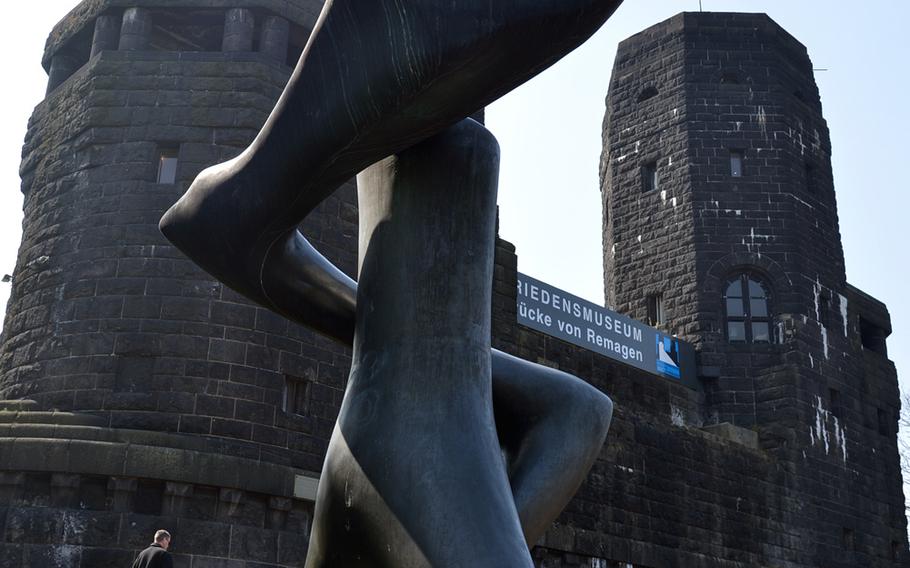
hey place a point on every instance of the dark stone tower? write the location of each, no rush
(720, 225)
(139, 394)
(146, 394)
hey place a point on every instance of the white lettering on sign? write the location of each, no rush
(534, 315)
(574, 308)
(621, 349)
(577, 321)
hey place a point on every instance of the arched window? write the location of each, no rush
(748, 316)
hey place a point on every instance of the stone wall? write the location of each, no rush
(673, 489)
(106, 316)
(160, 396)
(94, 497)
(647, 124)
(687, 96)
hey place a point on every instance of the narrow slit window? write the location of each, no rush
(824, 310)
(655, 310)
(835, 402)
(649, 177)
(849, 539)
(736, 163)
(811, 182)
(167, 165)
(297, 395)
(884, 425)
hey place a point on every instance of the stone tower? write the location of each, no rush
(136, 393)
(720, 225)
(146, 394)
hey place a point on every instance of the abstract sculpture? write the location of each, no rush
(445, 453)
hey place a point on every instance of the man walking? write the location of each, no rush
(156, 555)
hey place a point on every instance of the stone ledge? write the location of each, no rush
(50, 417)
(18, 405)
(63, 442)
(735, 434)
(46, 425)
(124, 459)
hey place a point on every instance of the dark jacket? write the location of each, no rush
(153, 557)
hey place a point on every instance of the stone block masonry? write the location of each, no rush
(148, 395)
(180, 387)
(106, 316)
(716, 177)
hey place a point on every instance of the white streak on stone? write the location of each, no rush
(816, 291)
(820, 432)
(821, 418)
(825, 341)
(843, 311)
(763, 121)
(676, 416)
(798, 199)
(840, 438)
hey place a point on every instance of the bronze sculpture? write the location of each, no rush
(420, 470)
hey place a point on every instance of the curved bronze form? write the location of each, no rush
(421, 471)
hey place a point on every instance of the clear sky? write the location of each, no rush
(550, 133)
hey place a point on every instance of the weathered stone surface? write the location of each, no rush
(137, 334)
(33, 525)
(685, 95)
(106, 318)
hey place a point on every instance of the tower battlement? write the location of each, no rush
(277, 31)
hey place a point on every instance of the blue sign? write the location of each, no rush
(585, 324)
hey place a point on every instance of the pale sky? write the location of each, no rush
(550, 134)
